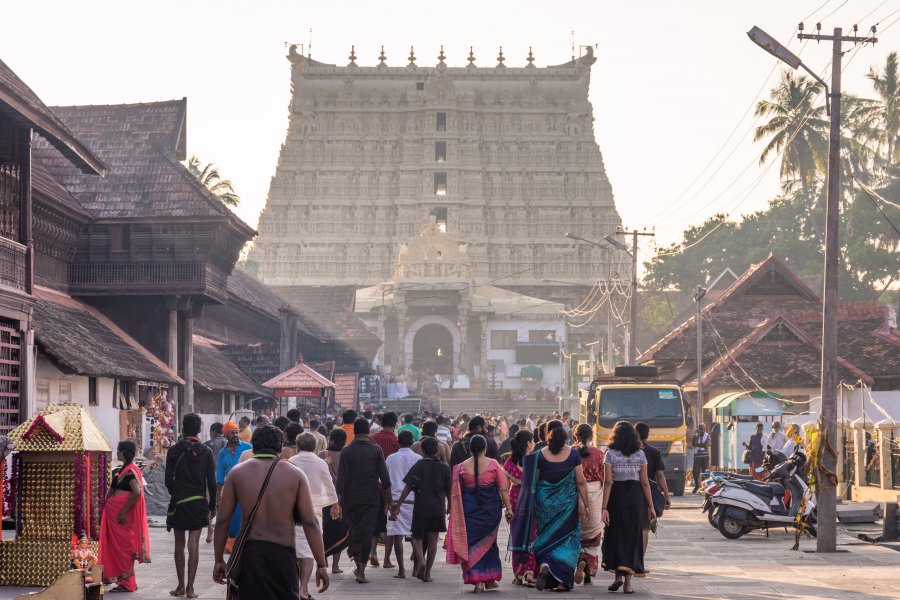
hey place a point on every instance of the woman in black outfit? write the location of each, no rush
(626, 495)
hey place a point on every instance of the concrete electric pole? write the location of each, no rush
(632, 325)
(826, 540)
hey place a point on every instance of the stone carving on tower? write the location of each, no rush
(433, 255)
(503, 160)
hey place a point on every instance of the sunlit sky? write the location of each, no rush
(672, 81)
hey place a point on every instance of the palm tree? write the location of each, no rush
(883, 114)
(209, 176)
(796, 128)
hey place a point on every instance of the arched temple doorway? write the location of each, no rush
(433, 349)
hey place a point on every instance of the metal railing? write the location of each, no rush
(12, 264)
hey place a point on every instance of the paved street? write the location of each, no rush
(687, 559)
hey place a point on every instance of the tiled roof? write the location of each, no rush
(325, 369)
(142, 144)
(347, 388)
(250, 291)
(259, 361)
(44, 183)
(327, 312)
(734, 323)
(778, 365)
(82, 340)
(300, 376)
(23, 105)
(213, 371)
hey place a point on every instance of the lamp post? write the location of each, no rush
(698, 298)
(826, 540)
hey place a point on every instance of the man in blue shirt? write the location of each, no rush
(229, 456)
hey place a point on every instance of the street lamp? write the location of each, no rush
(826, 541)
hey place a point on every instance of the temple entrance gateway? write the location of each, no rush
(433, 349)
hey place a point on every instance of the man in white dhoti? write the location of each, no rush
(400, 527)
(323, 494)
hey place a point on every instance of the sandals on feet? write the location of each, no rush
(615, 586)
(541, 583)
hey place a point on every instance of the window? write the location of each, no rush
(441, 121)
(65, 392)
(440, 152)
(440, 184)
(92, 392)
(41, 393)
(503, 339)
(780, 333)
(420, 86)
(440, 217)
(542, 335)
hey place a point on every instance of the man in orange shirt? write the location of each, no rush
(347, 420)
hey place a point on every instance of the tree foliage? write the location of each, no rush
(211, 179)
(791, 227)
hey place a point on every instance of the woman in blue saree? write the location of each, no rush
(553, 483)
(478, 493)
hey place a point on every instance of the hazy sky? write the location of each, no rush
(673, 77)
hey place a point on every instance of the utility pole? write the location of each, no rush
(632, 326)
(826, 540)
(698, 298)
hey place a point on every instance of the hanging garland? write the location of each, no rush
(79, 525)
(16, 497)
(4, 487)
(102, 486)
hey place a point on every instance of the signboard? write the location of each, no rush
(299, 392)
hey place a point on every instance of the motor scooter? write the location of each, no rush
(714, 481)
(740, 506)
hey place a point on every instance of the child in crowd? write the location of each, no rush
(429, 478)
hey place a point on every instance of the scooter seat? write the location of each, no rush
(769, 490)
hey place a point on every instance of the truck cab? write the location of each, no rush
(634, 394)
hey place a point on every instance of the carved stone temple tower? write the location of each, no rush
(501, 158)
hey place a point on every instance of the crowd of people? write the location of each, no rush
(306, 489)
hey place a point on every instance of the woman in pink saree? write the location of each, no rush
(123, 528)
(476, 499)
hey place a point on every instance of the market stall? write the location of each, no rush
(56, 490)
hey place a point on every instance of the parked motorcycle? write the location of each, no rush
(740, 506)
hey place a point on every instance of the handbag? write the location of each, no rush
(656, 495)
(745, 456)
(233, 566)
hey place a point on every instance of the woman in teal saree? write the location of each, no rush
(553, 482)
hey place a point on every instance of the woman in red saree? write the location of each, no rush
(123, 528)
(591, 523)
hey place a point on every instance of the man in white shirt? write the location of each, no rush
(776, 439)
(322, 493)
(398, 465)
(443, 432)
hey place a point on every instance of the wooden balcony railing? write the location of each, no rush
(145, 275)
(12, 264)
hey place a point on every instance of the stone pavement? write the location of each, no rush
(688, 559)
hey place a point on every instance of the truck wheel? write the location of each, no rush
(676, 487)
(731, 527)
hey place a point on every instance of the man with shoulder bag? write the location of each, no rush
(263, 564)
(656, 477)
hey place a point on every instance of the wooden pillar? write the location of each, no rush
(25, 228)
(188, 349)
(172, 357)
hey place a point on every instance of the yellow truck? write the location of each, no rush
(635, 394)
